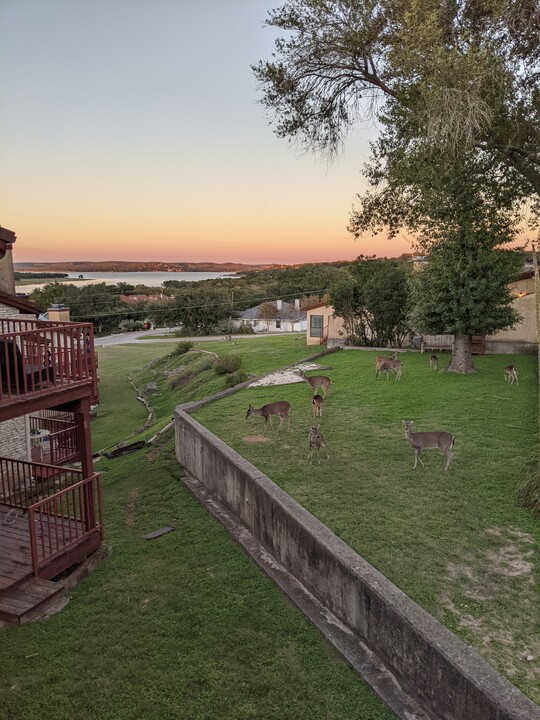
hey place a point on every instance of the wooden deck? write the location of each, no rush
(22, 594)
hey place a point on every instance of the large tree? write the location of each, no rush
(464, 72)
(465, 212)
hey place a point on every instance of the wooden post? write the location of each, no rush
(82, 415)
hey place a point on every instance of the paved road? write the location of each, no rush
(133, 337)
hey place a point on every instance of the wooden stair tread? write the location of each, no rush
(26, 597)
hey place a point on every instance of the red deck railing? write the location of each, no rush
(24, 483)
(37, 355)
(63, 507)
(59, 446)
(64, 520)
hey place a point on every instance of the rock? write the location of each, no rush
(151, 387)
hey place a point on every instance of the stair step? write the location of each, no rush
(29, 598)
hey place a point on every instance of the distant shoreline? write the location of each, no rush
(122, 266)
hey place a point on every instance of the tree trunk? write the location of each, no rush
(461, 355)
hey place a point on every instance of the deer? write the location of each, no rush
(317, 405)
(387, 365)
(510, 374)
(433, 362)
(281, 408)
(440, 440)
(316, 442)
(317, 381)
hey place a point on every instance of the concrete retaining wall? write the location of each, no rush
(448, 679)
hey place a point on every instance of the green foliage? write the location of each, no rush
(373, 300)
(228, 364)
(528, 490)
(235, 379)
(199, 311)
(462, 75)
(181, 348)
(463, 289)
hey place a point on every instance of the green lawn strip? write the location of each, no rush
(456, 542)
(185, 626)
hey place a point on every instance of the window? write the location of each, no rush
(315, 325)
(278, 324)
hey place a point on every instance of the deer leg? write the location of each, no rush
(280, 422)
(271, 423)
(450, 457)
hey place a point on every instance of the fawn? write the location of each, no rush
(316, 405)
(317, 381)
(510, 374)
(281, 408)
(316, 442)
(388, 365)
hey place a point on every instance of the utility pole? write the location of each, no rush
(537, 304)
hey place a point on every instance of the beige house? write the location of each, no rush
(322, 325)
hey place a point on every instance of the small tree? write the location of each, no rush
(373, 302)
(464, 290)
(268, 312)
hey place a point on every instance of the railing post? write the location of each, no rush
(82, 415)
(33, 541)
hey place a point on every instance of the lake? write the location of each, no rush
(150, 279)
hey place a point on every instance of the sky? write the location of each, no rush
(133, 130)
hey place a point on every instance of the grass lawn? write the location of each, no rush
(185, 627)
(456, 542)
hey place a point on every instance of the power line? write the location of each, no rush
(168, 309)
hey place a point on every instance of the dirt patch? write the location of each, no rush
(129, 513)
(256, 438)
(477, 592)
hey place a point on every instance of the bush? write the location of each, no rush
(228, 364)
(528, 492)
(182, 348)
(230, 329)
(235, 379)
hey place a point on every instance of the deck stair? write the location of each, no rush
(30, 597)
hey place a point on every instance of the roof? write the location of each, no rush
(19, 303)
(287, 312)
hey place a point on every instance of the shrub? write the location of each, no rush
(182, 348)
(528, 492)
(235, 379)
(228, 364)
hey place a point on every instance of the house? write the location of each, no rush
(50, 511)
(273, 316)
(323, 326)
(326, 329)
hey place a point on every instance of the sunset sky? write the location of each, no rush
(131, 129)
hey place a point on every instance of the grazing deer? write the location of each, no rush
(510, 374)
(442, 441)
(316, 442)
(317, 381)
(281, 408)
(387, 365)
(316, 405)
(433, 362)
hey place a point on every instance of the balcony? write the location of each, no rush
(44, 363)
(50, 519)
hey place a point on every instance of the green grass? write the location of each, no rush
(185, 627)
(457, 542)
